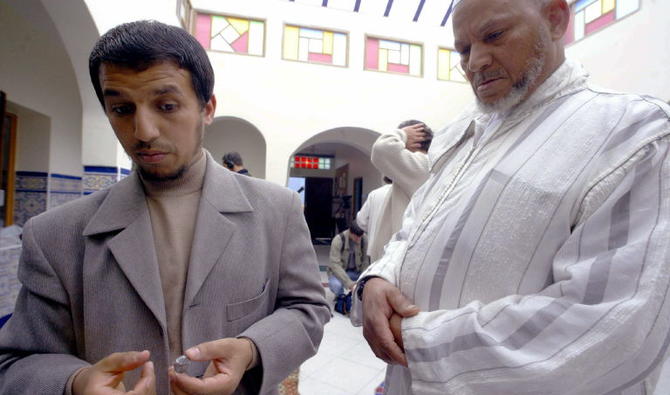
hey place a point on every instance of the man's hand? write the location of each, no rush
(106, 376)
(381, 300)
(415, 136)
(229, 358)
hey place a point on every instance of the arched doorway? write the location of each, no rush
(41, 78)
(333, 174)
(227, 134)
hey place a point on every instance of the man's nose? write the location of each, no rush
(146, 128)
(479, 59)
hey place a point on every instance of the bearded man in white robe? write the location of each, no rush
(535, 259)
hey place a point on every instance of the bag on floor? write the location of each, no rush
(343, 303)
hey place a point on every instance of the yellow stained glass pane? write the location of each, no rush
(608, 5)
(328, 43)
(443, 64)
(241, 25)
(383, 59)
(291, 40)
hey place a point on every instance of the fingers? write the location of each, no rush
(207, 351)
(401, 304)
(123, 361)
(378, 334)
(147, 382)
(381, 301)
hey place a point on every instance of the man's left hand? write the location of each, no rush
(229, 358)
(395, 322)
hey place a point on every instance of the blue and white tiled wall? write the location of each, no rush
(101, 177)
(63, 188)
(30, 197)
(35, 192)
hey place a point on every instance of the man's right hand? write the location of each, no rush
(415, 136)
(106, 376)
(381, 300)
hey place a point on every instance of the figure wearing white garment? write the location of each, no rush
(535, 259)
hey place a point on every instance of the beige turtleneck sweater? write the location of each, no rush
(173, 208)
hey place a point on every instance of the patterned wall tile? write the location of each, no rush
(27, 205)
(30, 197)
(63, 188)
(97, 178)
(64, 183)
(30, 180)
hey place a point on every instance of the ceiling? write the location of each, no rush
(430, 12)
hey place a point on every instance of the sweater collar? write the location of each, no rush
(191, 181)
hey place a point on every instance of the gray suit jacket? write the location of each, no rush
(91, 285)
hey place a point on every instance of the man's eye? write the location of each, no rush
(167, 107)
(494, 36)
(123, 109)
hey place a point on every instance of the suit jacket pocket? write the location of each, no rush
(237, 310)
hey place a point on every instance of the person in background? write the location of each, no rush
(400, 155)
(348, 259)
(233, 162)
(368, 216)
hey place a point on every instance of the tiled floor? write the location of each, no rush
(345, 365)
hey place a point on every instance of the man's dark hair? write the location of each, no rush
(355, 229)
(231, 159)
(140, 45)
(425, 144)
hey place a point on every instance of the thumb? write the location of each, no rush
(402, 305)
(207, 351)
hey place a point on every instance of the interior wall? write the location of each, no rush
(32, 139)
(36, 73)
(232, 134)
(290, 102)
(630, 55)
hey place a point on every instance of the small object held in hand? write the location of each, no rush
(181, 364)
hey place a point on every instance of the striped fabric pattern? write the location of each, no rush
(538, 249)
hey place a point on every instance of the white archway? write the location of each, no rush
(228, 133)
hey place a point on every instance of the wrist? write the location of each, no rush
(253, 352)
(360, 286)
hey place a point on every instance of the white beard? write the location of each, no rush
(520, 89)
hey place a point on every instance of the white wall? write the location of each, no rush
(290, 101)
(234, 134)
(36, 73)
(633, 54)
(32, 139)
(79, 33)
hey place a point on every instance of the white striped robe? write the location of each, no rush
(539, 254)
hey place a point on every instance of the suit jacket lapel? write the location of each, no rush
(221, 197)
(133, 248)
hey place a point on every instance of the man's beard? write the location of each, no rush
(520, 89)
(153, 177)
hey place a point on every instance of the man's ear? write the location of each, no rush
(557, 13)
(209, 110)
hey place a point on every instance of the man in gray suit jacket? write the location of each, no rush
(182, 256)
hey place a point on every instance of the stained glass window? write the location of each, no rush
(315, 45)
(589, 16)
(311, 162)
(393, 56)
(230, 34)
(449, 66)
